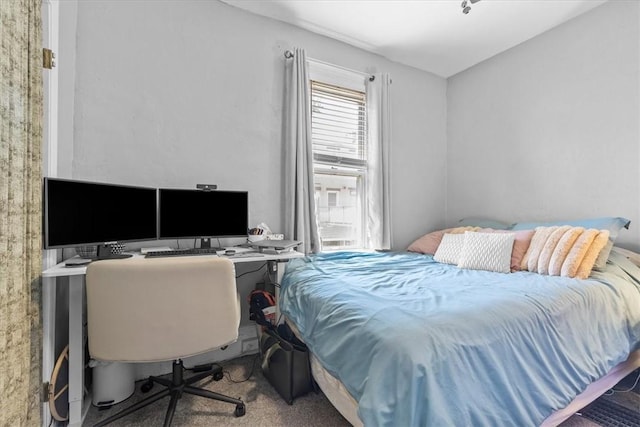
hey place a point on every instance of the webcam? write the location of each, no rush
(206, 187)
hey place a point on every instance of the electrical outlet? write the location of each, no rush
(250, 345)
(273, 266)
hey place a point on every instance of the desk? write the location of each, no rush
(78, 402)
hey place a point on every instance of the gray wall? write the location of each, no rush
(174, 93)
(66, 63)
(550, 128)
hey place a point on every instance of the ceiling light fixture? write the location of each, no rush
(466, 8)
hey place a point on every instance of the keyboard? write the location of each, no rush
(183, 252)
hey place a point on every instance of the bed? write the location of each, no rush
(398, 339)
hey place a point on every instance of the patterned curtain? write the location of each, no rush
(20, 212)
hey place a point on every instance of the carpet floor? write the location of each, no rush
(266, 408)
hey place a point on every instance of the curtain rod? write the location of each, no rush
(288, 55)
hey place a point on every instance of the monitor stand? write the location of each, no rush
(104, 252)
(205, 243)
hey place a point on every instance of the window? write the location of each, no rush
(338, 133)
(332, 199)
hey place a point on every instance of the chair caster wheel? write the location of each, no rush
(146, 387)
(217, 376)
(240, 410)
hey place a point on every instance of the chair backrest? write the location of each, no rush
(143, 310)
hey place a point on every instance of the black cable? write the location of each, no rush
(270, 277)
(252, 271)
(218, 365)
(629, 389)
(266, 277)
(253, 366)
(200, 367)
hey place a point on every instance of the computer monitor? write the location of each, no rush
(202, 214)
(79, 213)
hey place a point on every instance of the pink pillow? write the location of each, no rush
(520, 244)
(428, 244)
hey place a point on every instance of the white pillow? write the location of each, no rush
(449, 249)
(487, 251)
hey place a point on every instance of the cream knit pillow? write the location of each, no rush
(448, 251)
(487, 251)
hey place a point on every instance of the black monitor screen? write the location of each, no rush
(80, 213)
(196, 213)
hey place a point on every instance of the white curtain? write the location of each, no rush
(300, 210)
(378, 152)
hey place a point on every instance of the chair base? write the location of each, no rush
(175, 388)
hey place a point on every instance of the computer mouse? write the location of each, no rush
(230, 252)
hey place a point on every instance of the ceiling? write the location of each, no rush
(432, 35)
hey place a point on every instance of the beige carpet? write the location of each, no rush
(264, 406)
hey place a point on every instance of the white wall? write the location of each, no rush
(174, 93)
(550, 129)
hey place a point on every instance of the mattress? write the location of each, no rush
(566, 379)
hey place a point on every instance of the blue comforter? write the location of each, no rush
(419, 343)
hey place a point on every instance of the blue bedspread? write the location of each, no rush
(419, 343)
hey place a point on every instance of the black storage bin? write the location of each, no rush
(285, 363)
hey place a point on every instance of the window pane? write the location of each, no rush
(337, 122)
(338, 132)
(339, 211)
(332, 199)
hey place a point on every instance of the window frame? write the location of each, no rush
(328, 165)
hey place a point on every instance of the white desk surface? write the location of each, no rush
(60, 270)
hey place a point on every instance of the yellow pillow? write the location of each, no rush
(562, 250)
(575, 256)
(592, 254)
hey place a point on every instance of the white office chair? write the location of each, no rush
(148, 310)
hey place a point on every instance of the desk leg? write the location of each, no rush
(279, 274)
(76, 350)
